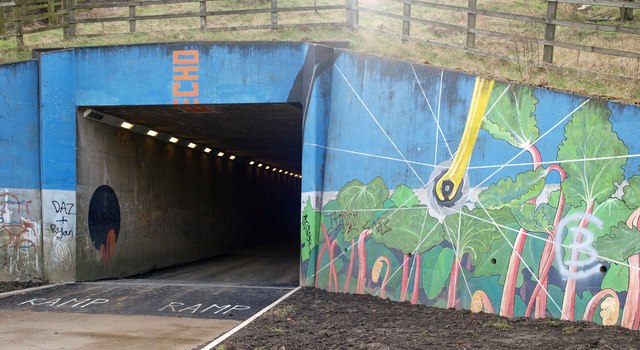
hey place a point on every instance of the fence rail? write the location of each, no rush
(410, 20)
(409, 16)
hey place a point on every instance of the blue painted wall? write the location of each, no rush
(19, 126)
(228, 73)
(383, 128)
(383, 132)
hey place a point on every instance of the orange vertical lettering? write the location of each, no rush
(185, 57)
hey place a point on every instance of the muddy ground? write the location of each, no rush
(11, 286)
(314, 319)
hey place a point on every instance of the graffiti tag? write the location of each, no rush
(62, 209)
(60, 232)
(577, 249)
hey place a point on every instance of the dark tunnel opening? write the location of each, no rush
(207, 192)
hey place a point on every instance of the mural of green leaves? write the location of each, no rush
(502, 245)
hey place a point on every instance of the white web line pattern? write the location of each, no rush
(509, 163)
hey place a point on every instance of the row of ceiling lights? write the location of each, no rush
(173, 139)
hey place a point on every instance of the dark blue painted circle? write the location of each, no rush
(104, 215)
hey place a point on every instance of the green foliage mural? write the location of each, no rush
(557, 237)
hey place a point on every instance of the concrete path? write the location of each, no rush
(177, 308)
(48, 330)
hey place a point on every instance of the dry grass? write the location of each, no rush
(526, 51)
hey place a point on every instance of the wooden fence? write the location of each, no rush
(545, 37)
(473, 30)
(272, 8)
(21, 17)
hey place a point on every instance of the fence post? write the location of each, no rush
(406, 17)
(274, 14)
(203, 14)
(550, 30)
(51, 19)
(71, 21)
(352, 14)
(132, 17)
(471, 23)
(2, 29)
(17, 12)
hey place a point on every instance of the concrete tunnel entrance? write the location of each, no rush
(211, 186)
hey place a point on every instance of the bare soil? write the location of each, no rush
(314, 319)
(11, 286)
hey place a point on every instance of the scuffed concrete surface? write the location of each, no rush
(44, 330)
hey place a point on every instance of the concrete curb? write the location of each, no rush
(235, 329)
(27, 290)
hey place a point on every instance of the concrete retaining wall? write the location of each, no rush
(547, 225)
(20, 197)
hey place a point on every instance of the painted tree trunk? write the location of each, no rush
(569, 301)
(362, 262)
(416, 281)
(350, 271)
(405, 278)
(453, 283)
(630, 317)
(509, 290)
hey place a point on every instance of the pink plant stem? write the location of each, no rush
(320, 255)
(350, 271)
(405, 277)
(416, 281)
(508, 294)
(334, 272)
(548, 254)
(509, 290)
(592, 306)
(630, 317)
(486, 302)
(569, 301)
(362, 262)
(453, 283)
(331, 256)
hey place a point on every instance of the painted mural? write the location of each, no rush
(104, 221)
(448, 190)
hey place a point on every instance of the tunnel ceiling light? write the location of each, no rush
(252, 163)
(191, 145)
(220, 154)
(260, 165)
(207, 150)
(126, 125)
(152, 133)
(274, 169)
(174, 140)
(232, 157)
(280, 171)
(286, 173)
(267, 167)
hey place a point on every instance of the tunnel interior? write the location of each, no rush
(168, 185)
